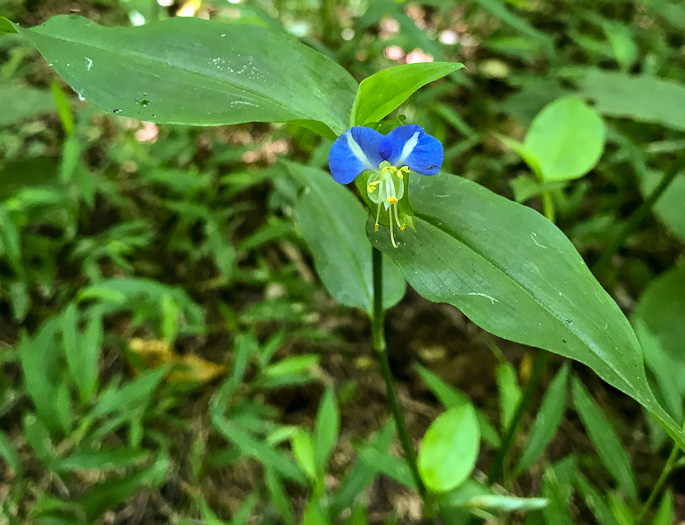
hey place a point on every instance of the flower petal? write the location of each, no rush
(356, 150)
(413, 147)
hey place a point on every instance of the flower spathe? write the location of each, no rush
(389, 159)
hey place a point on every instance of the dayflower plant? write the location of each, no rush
(388, 159)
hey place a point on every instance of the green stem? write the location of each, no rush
(539, 362)
(378, 334)
(601, 266)
(665, 472)
(548, 206)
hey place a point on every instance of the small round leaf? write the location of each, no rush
(449, 449)
(567, 138)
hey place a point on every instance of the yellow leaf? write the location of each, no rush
(155, 353)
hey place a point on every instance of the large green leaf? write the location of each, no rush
(332, 221)
(643, 98)
(384, 91)
(515, 274)
(192, 71)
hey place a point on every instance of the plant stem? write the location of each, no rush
(548, 206)
(378, 335)
(539, 362)
(665, 472)
(601, 266)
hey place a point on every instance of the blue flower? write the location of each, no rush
(388, 158)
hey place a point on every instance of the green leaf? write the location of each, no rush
(449, 449)
(10, 455)
(515, 274)
(82, 351)
(664, 514)
(292, 365)
(509, 393)
(669, 207)
(37, 435)
(362, 474)
(214, 73)
(594, 500)
(326, 430)
(450, 397)
(606, 442)
(257, 448)
(499, 9)
(305, 455)
(667, 371)
(384, 91)
(113, 491)
(279, 498)
(332, 224)
(100, 460)
(546, 421)
(567, 139)
(642, 98)
(622, 512)
(388, 464)
(660, 309)
(557, 488)
(38, 358)
(21, 102)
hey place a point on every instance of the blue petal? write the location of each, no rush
(356, 150)
(412, 147)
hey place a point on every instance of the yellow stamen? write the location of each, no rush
(392, 200)
(403, 226)
(372, 186)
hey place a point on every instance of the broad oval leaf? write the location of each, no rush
(566, 138)
(332, 224)
(384, 91)
(449, 449)
(193, 71)
(515, 274)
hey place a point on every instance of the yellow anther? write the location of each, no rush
(372, 187)
(392, 200)
(375, 228)
(403, 227)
